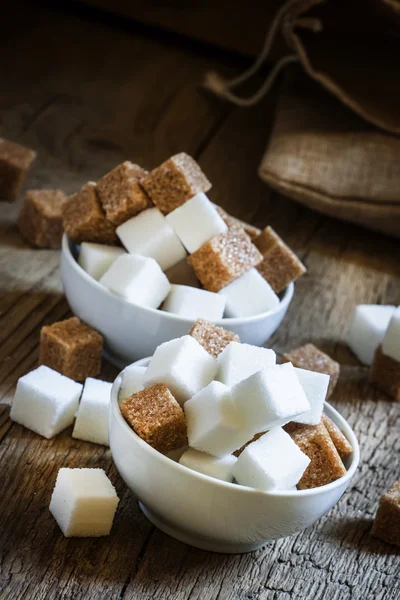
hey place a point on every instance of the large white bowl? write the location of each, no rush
(130, 331)
(211, 514)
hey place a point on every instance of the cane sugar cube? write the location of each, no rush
(273, 462)
(183, 365)
(40, 220)
(174, 182)
(391, 340)
(223, 258)
(238, 361)
(219, 468)
(311, 358)
(248, 295)
(45, 401)
(84, 502)
(84, 219)
(182, 274)
(386, 526)
(96, 259)
(91, 422)
(214, 339)
(120, 194)
(252, 231)
(191, 303)
(15, 162)
(138, 279)
(196, 222)
(367, 330)
(339, 440)
(385, 374)
(156, 417)
(270, 397)
(315, 386)
(132, 381)
(149, 234)
(72, 348)
(280, 265)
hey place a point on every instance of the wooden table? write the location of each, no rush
(87, 93)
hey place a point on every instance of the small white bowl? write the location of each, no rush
(211, 514)
(131, 331)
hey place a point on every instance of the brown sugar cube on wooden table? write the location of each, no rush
(72, 348)
(280, 265)
(339, 440)
(40, 220)
(120, 194)
(156, 417)
(213, 338)
(252, 231)
(386, 526)
(385, 374)
(174, 182)
(313, 359)
(15, 162)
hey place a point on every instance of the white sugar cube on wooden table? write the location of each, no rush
(91, 422)
(219, 468)
(193, 303)
(367, 330)
(96, 259)
(391, 340)
(238, 361)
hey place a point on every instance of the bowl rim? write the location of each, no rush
(170, 463)
(224, 322)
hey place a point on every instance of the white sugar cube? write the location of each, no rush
(183, 366)
(96, 259)
(138, 279)
(271, 397)
(91, 422)
(150, 234)
(315, 386)
(132, 381)
(239, 361)
(219, 468)
(192, 303)
(367, 330)
(84, 502)
(45, 401)
(273, 462)
(183, 274)
(214, 424)
(249, 295)
(196, 222)
(391, 341)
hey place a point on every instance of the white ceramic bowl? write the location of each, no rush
(131, 331)
(211, 514)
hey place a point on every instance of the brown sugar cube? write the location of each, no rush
(120, 193)
(40, 220)
(15, 162)
(280, 265)
(224, 258)
(252, 231)
(72, 348)
(339, 440)
(238, 452)
(213, 338)
(326, 465)
(386, 526)
(312, 358)
(156, 417)
(385, 374)
(176, 180)
(84, 219)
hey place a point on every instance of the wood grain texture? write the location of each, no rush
(109, 94)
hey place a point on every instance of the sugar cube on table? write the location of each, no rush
(174, 182)
(156, 417)
(252, 231)
(182, 274)
(72, 348)
(385, 374)
(315, 386)
(386, 525)
(191, 303)
(84, 502)
(391, 339)
(196, 222)
(273, 462)
(15, 162)
(213, 338)
(219, 468)
(270, 397)
(40, 219)
(45, 401)
(238, 361)
(367, 330)
(131, 381)
(312, 358)
(96, 259)
(248, 295)
(91, 422)
(138, 279)
(183, 365)
(339, 440)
